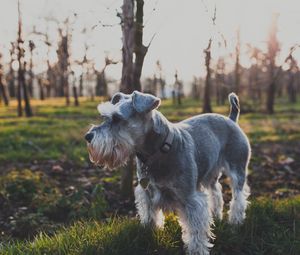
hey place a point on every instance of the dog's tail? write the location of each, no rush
(234, 107)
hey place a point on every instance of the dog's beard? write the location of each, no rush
(110, 151)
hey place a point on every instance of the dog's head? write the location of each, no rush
(126, 121)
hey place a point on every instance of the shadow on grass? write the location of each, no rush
(271, 227)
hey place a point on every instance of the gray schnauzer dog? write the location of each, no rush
(178, 165)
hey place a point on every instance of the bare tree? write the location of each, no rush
(161, 81)
(139, 49)
(221, 90)
(50, 81)
(11, 74)
(127, 23)
(177, 90)
(3, 89)
(127, 85)
(206, 102)
(101, 86)
(41, 87)
(63, 62)
(31, 74)
(74, 88)
(132, 38)
(195, 88)
(207, 88)
(21, 72)
(237, 61)
(293, 70)
(273, 49)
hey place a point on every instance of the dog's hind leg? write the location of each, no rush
(216, 199)
(240, 192)
(195, 219)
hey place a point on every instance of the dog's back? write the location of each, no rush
(219, 140)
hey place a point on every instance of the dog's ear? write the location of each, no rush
(144, 103)
(118, 96)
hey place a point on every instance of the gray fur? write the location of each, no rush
(186, 179)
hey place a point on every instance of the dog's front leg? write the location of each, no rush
(148, 212)
(195, 219)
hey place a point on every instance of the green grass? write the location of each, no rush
(56, 131)
(271, 227)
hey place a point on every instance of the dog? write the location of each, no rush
(178, 164)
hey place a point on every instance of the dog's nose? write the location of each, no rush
(89, 136)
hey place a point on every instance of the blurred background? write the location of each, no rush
(59, 59)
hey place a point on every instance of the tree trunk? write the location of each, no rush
(41, 86)
(127, 85)
(237, 63)
(127, 179)
(3, 92)
(292, 89)
(11, 75)
(273, 49)
(19, 95)
(66, 86)
(27, 107)
(76, 102)
(21, 74)
(81, 85)
(271, 97)
(140, 50)
(206, 102)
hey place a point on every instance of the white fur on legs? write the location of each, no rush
(216, 200)
(238, 205)
(195, 220)
(149, 215)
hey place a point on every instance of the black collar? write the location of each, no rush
(164, 148)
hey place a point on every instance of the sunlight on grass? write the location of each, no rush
(126, 236)
(56, 131)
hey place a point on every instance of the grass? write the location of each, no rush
(271, 227)
(56, 131)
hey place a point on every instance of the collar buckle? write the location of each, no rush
(165, 148)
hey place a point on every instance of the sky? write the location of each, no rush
(181, 28)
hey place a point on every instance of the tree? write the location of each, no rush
(207, 52)
(237, 61)
(195, 88)
(101, 86)
(258, 59)
(273, 49)
(139, 49)
(177, 90)
(161, 81)
(221, 90)
(11, 74)
(292, 72)
(63, 62)
(21, 72)
(3, 89)
(127, 23)
(206, 102)
(132, 39)
(74, 88)
(31, 74)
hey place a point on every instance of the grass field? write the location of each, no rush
(47, 183)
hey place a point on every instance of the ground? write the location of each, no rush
(47, 181)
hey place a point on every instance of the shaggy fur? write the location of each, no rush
(186, 179)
